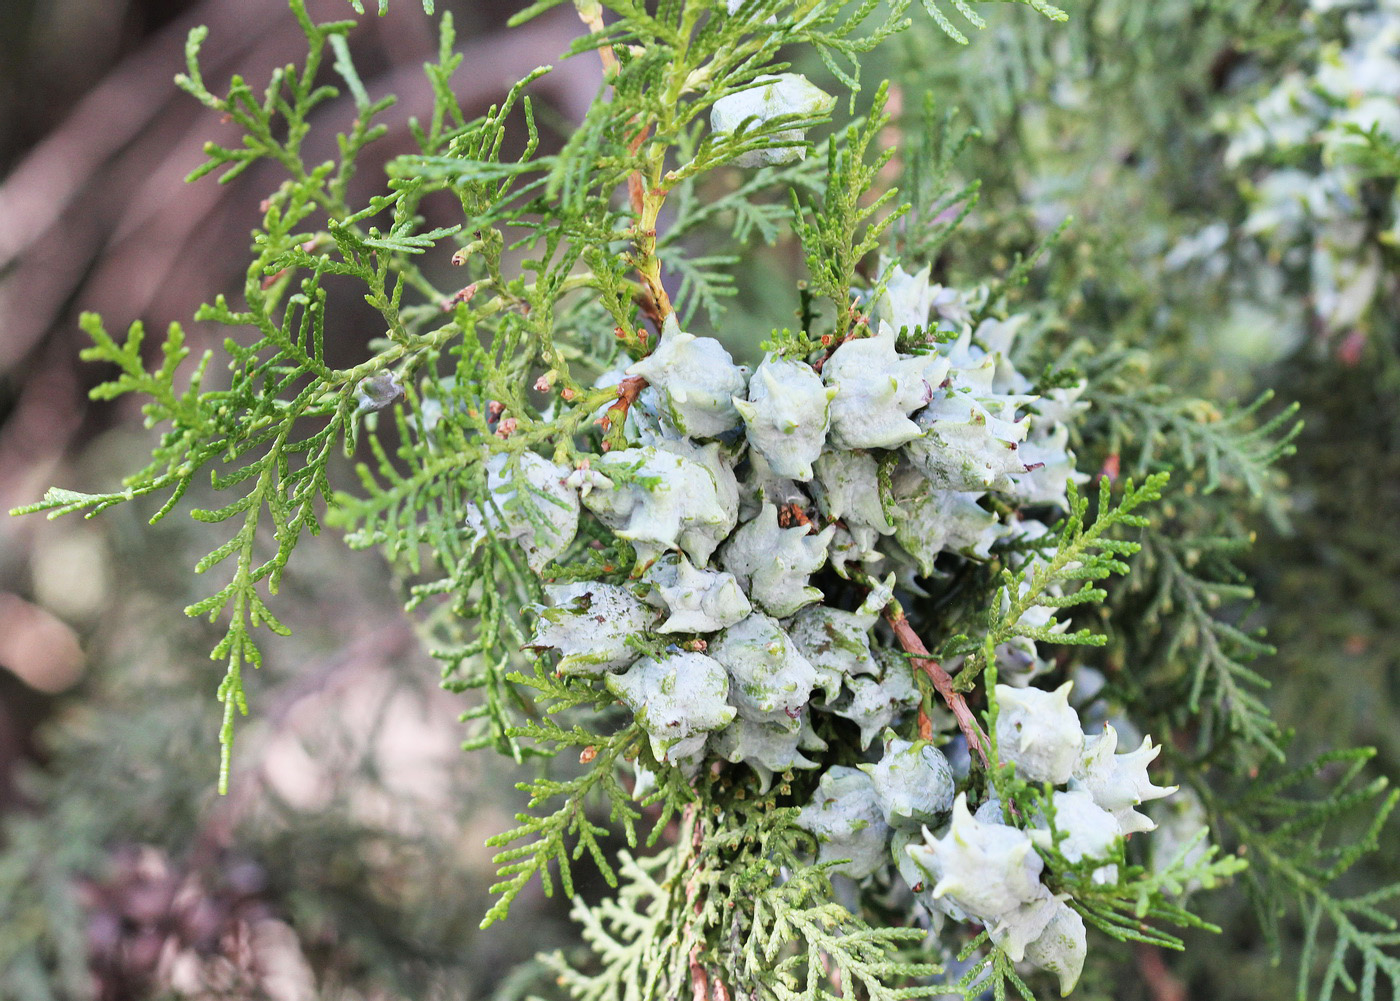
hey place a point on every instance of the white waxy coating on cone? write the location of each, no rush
(847, 487)
(988, 870)
(697, 378)
(913, 781)
(1039, 731)
(775, 563)
(963, 446)
(699, 601)
(659, 501)
(835, 642)
(1049, 470)
(845, 818)
(589, 623)
(678, 699)
(768, 98)
(991, 873)
(873, 704)
(930, 522)
(771, 680)
(1087, 830)
(768, 748)
(1061, 948)
(1119, 782)
(786, 415)
(876, 391)
(542, 517)
(907, 299)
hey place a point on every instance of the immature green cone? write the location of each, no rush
(836, 642)
(876, 391)
(659, 501)
(699, 601)
(1119, 782)
(1087, 831)
(1039, 731)
(774, 564)
(988, 870)
(771, 681)
(542, 517)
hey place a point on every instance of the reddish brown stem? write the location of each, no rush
(859, 324)
(627, 392)
(636, 184)
(646, 302)
(699, 981)
(943, 682)
(1161, 984)
(593, 21)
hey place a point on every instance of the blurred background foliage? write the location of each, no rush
(347, 862)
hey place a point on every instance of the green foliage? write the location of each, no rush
(1233, 449)
(941, 19)
(384, 6)
(545, 836)
(250, 435)
(1186, 584)
(1185, 639)
(846, 226)
(993, 970)
(1376, 154)
(718, 899)
(564, 258)
(1084, 551)
(929, 163)
(48, 950)
(1280, 818)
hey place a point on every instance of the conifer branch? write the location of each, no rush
(942, 681)
(635, 577)
(1281, 820)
